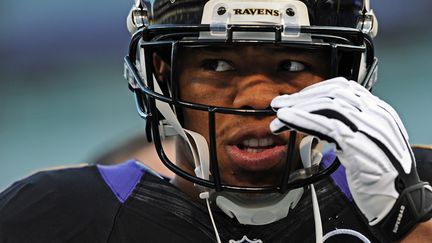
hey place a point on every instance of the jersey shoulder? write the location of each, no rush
(61, 205)
(158, 211)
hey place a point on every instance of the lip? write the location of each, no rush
(263, 160)
(254, 132)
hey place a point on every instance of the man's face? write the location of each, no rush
(245, 77)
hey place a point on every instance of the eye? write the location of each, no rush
(217, 65)
(292, 66)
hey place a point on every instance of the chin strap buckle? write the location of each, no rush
(166, 130)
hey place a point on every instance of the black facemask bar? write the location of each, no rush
(337, 40)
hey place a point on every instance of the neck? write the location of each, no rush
(184, 161)
(186, 186)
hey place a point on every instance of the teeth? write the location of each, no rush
(252, 150)
(254, 142)
(266, 142)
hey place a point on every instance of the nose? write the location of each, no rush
(255, 91)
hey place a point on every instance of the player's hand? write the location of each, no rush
(371, 143)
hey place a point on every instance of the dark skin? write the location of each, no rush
(246, 77)
(241, 77)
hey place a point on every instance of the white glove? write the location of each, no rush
(371, 141)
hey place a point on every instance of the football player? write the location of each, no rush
(277, 136)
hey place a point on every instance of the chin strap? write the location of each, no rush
(311, 157)
(218, 240)
(317, 216)
(265, 209)
(200, 151)
(260, 210)
(171, 126)
(247, 210)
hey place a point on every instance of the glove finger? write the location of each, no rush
(322, 89)
(335, 82)
(392, 133)
(382, 127)
(374, 122)
(367, 96)
(277, 126)
(364, 156)
(383, 106)
(328, 122)
(331, 108)
(331, 92)
(330, 130)
(320, 103)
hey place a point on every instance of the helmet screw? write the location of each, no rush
(290, 12)
(221, 10)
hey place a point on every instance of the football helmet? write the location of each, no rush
(343, 29)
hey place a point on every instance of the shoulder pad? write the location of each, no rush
(423, 156)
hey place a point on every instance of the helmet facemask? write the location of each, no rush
(159, 96)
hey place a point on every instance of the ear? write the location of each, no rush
(161, 68)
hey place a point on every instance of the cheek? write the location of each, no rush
(201, 89)
(196, 121)
(313, 79)
(208, 95)
(301, 81)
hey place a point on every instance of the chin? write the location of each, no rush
(245, 178)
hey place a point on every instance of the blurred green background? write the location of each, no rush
(63, 99)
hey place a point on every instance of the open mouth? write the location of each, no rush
(256, 145)
(257, 153)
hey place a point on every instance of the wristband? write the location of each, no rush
(413, 206)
